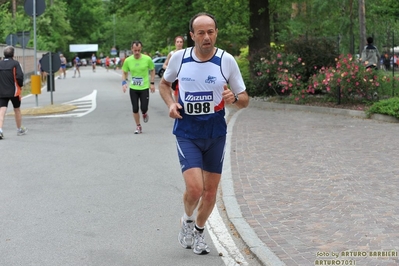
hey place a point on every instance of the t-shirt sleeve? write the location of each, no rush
(173, 66)
(232, 73)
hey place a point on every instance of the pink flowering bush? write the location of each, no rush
(351, 80)
(280, 74)
(287, 74)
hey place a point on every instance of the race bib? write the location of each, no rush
(199, 103)
(137, 81)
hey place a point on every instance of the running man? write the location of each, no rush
(139, 65)
(209, 78)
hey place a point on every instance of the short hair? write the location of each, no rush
(370, 40)
(201, 14)
(8, 52)
(137, 43)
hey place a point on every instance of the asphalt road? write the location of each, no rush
(81, 189)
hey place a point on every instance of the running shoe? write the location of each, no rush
(138, 130)
(200, 247)
(145, 118)
(1, 135)
(186, 235)
(22, 131)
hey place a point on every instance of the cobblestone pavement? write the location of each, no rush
(315, 185)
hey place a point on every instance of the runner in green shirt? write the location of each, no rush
(142, 75)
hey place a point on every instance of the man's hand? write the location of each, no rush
(174, 110)
(228, 95)
(152, 88)
(124, 86)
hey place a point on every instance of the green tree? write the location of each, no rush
(87, 20)
(53, 28)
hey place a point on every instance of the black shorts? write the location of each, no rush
(16, 102)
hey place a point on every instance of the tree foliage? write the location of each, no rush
(240, 22)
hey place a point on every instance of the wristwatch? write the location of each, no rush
(236, 98)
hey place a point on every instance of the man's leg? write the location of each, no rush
(194, 188)
(144, 101)
(208, 199)
(2, 115)
(18, 117)
(134, 99)
(201, 191)
(136, 117)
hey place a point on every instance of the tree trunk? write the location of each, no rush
(362, 25)
(14, 8)
(259, 42)
(351, 44)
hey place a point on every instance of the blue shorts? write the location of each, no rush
(207, 154)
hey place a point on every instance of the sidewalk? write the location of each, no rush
(309, 187)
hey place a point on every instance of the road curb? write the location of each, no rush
(325, 110)
(248, 235)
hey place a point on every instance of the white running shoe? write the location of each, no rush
(145, 118)
(186, 234)
(138, 130)
(200, 247)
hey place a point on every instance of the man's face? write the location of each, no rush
(204, 33)
(136, 50)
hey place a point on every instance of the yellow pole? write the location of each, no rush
(36, 84)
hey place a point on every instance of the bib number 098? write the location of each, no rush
(198, 108)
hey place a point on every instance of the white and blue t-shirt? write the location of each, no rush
(200, 92)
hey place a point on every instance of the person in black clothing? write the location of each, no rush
(11, 82)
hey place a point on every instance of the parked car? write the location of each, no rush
(158, 62)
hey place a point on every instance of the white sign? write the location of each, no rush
(77, 48)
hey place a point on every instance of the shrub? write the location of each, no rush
(316, 52)
(385, 107)
(280, 74)
(351, 79)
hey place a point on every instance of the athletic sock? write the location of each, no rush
(188, 218)
(199, 229)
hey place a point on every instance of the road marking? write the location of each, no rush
(85, 106)
(223, 241)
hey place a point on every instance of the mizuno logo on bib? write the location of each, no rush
(199, 103)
